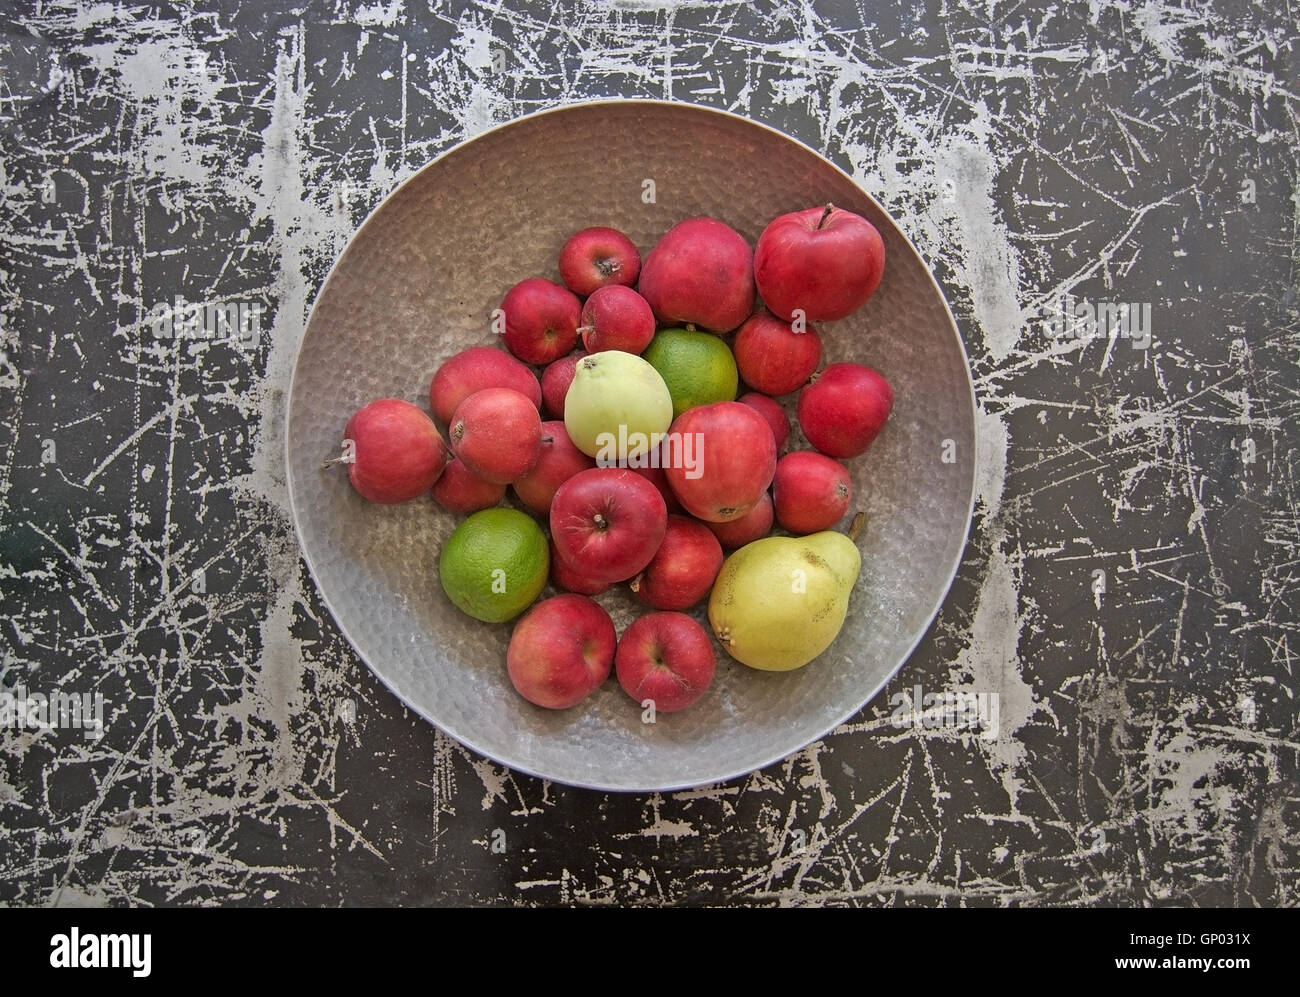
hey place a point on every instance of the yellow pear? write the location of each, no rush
(780, 602)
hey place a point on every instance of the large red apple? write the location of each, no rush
(541, 320)
(497, 433)
(396, 452)
(560, 460)
(666, 658)
(844, 408)
(683, 569)
(473, 370)
(825, 262)
(735, 458)
(561, 651)
(701, 272)
(608, 522)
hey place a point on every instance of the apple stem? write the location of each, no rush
(334, 460)
(825, 214)
(584, 329)
(855, 527)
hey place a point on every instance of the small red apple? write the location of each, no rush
(666, 658)
(459, 489)
(811, 492)
(753, 525)
(616, 318)
(559, 461)
(683, 569)
(844, 408)
(772, 412)
(598, 257)
(825, 262)
(497, 433)
(395, 453)
(702, 272)
(473, 370)
(541, 320)
(556, 379)
(775, 358)
(607, 523)
(735, 460)
(561, 651)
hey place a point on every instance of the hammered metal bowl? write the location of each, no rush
(418, 283)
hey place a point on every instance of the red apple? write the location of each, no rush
(775, 358)
(563, 576)
(607, 523)
(666, 658)
(772, 412)
(701, 272)
(460, 490)
(541, 320)
(811, 492)
(473, 370)
(497, 433)
(561, 651)
(735, 458)
(556, 379)
(825, 262)
(598, 257)
(395, 453)
(617, 318)
(683, 569)
(844, 408)
(753, 525)
(560, 460)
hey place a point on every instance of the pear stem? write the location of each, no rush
(855, 527)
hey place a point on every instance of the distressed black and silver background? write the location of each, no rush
(1148, 746)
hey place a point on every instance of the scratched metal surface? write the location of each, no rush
(1129, 591)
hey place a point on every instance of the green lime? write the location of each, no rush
(697, 367)
(494, 564)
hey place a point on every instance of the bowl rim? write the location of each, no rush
(469, 742)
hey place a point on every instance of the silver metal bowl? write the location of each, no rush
(418, 283)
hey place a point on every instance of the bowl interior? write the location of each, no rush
(418, 283)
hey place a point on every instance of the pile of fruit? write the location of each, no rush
(649, 465)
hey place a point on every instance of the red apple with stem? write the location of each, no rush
(821, 263)
(561, 651)
(811, 492)
(775, 357)
(473, 370)
(666, 658)
(844, 409)
(541, 320)
(616, 318)
(497, 433)
(598, 257)
(460, 490)
(393, 451)
(607, 523)
(772, 412)
(559, 461)
(683, 569)
(700, 272)
(735, 461)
